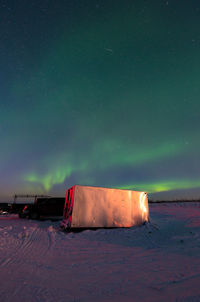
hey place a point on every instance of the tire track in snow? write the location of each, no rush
(10, 240)
(5, 262)
(41, 293)
(37, 239)
(40, 240)
(25, 242)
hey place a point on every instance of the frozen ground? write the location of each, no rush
(159, 261)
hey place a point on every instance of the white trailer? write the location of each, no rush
(96, 207)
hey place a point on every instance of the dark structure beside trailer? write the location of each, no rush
(44, 207)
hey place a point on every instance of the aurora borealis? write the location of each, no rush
(103, 93)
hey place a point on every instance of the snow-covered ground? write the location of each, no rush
(159, 261)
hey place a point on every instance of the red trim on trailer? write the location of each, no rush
(68, 208)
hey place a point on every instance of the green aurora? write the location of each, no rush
(102, 93)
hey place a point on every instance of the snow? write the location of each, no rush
(158, 261)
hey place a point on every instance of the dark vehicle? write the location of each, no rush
(16, 208)
(4, 206)
(44, 207)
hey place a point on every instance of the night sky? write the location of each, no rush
(103, 93)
